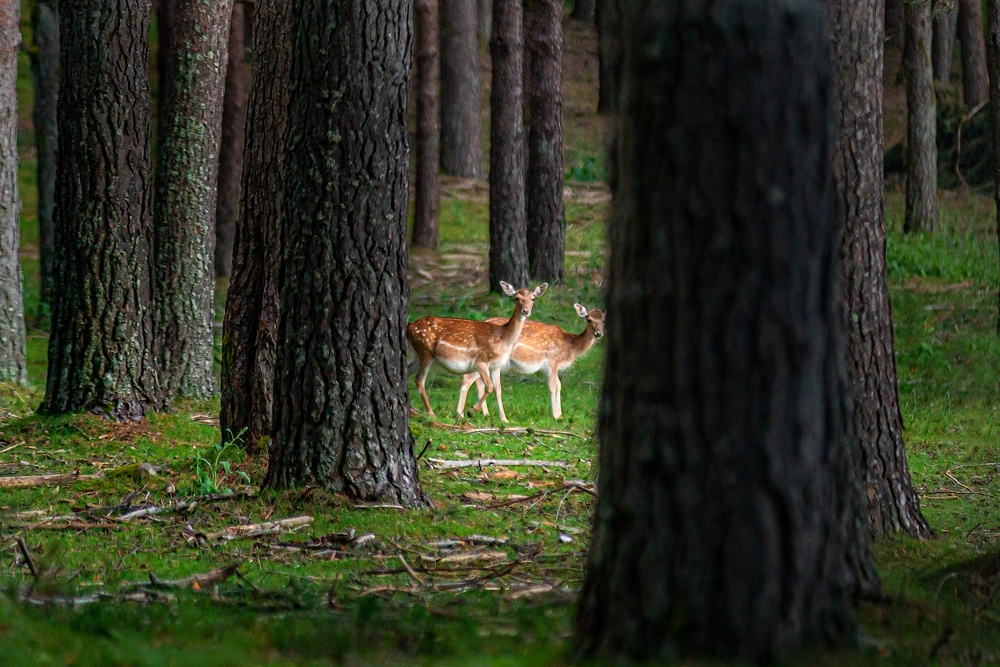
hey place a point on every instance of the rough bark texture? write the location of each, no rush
(428, 76)
(508, 233)
(609, 54)
(894, 22)
(187, 171)
(250, 327)
(718, 528)
(484, 20)
(921, 152)
(341, 414)
(975, 85)
(461, 121)
(893, 505)
(13, 362)
(993, 41)
(234, 113)
(943, 42)
(583, 10)
(101, 343)
(545, 214)
(45, 72)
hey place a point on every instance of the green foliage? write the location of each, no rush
(208, 471)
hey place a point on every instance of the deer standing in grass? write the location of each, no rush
(544, 347)
(470, 346)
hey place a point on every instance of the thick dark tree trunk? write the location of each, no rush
(250, 328)
(425, 220)
(921, 151)
(341, 414)
(45, 71)
(164, 20)
(609, 54)
(719, 528)
(894, 22)
(187, 171)
(583, 10)
(993, 41)
(234, 113)
(546, 217)
(484, 20)
(943, 42)
(975, 85)
(893, 505)
(508, 233)
(101, 343)
(461, 122)
(13, 361)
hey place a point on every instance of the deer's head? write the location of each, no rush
(524, 296)
(595, 319)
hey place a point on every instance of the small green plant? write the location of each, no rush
(586, 171)
(209, 470)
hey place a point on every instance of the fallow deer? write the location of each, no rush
(544, 347)
(471, 346)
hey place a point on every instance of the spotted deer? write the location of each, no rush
(544, 347)
(471, 346)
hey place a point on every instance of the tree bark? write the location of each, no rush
(508, 229)
(187, 172)
(45, 72)
(583, 10)
(461, 121)
(545, 214)
(719, 526)
(993, 32)
(894, 22)
(428, 75)
(234, 113)
(921, 150)
(975, 85)
(484, 20)
(892, 504)
(609, 54)
(101, 342)
(250, 327)
(13, 359)
(943, 42)
(341, 415)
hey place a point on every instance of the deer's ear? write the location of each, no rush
(507, 288)
(580, 310)
(540, 290)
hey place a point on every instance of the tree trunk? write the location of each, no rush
(428, 74)
(164, 47)
(101, 343)
(894, 22)
(583, 10)
(45, 71)
(943, 42)
(718, 530)
(187, 172)
(484, 20)
(461, 123)
(546, 229)
(893, 505)
(13, 360)
(975, 86)
(341, 415)
(250, 328)
(234, 114)
(921, 151)
(609, 54)
(508, 233)
(993, 31)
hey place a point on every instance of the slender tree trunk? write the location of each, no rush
(250, 328)
(428, 71)
(943, 42)
(718, 530)
(583, 10)
(461, 122)
(893, 505)
(341, 414)
(921, 150)
(234, 113)
(187, 172)
(45, 71)
(993, 41)
(13, 360)
(101, 342)
(545, 214)
(609, 54)
(975, 85)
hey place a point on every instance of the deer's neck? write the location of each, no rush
(512, 330)
(583, 342)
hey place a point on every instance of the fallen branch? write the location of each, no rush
(27, 557)
(510, 430)
(256, 529)
(196, 581)
(28, 481)
(482, 463)
(572, 486)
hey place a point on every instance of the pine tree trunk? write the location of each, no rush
(187, 172)
(894, 22)
(508, 233)
(461, 122)
(101, 342)
(484, 20)
(921, 151)
(943, 42)
(993, 43)
(13, 360)
(341, 417)
(975, 85)
(428, 75)
(234, 113)
(250, 328)
(583, 10)
(718, 530)
(45, 71)
(893, 505)
(545, 215)
(609, 54)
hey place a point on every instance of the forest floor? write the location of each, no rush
(152, 543)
